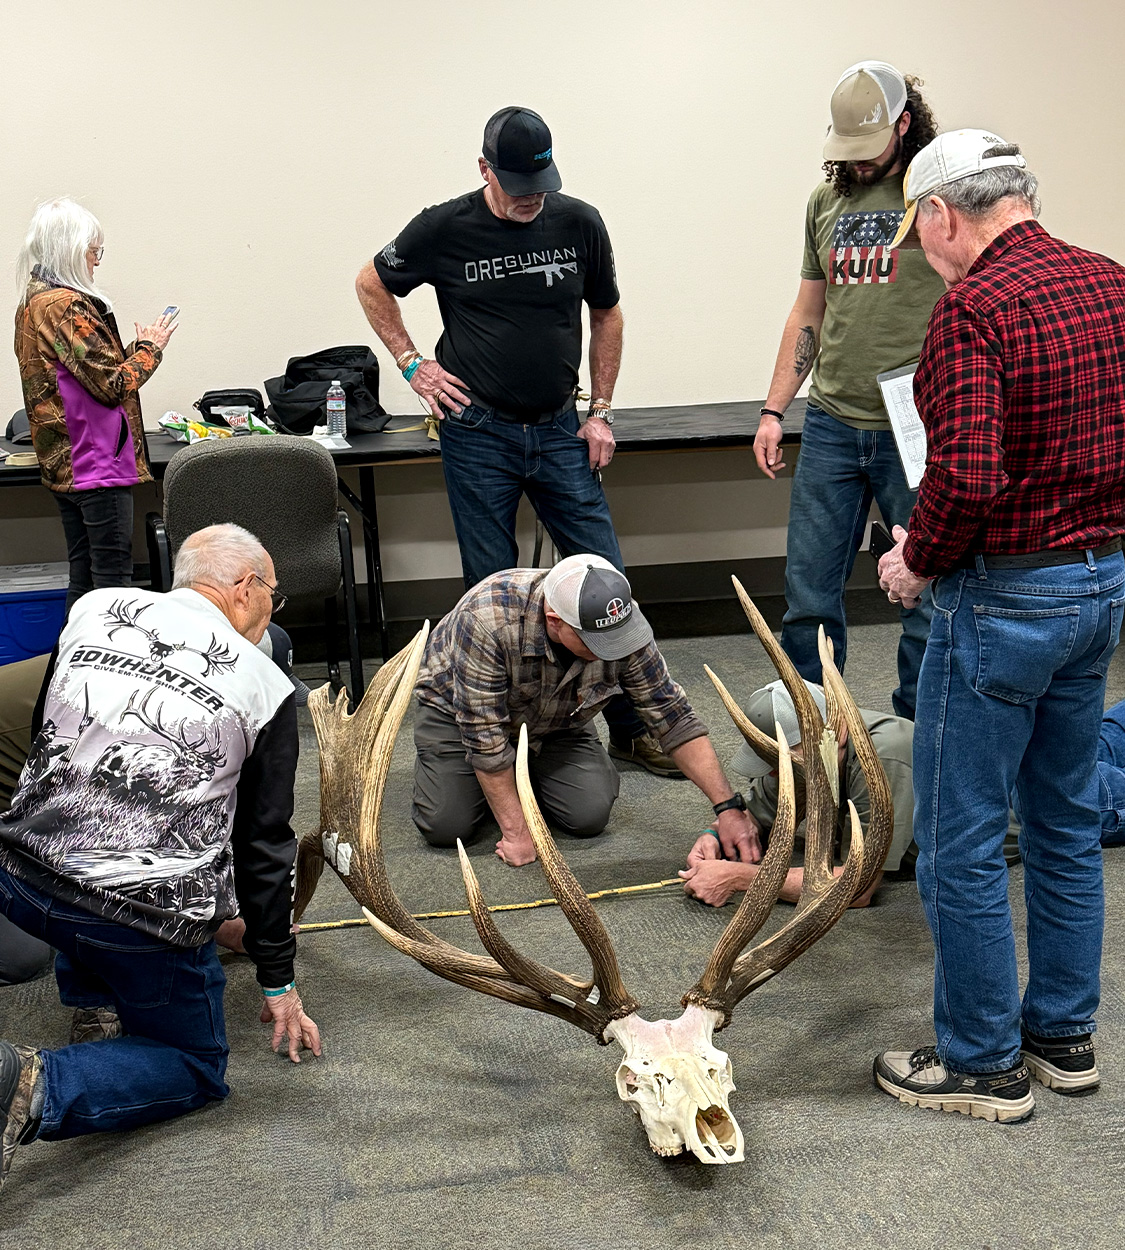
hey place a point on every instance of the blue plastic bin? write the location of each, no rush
(32, 602)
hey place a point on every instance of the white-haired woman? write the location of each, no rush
(80, 387)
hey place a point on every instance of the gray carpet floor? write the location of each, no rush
(438, 1117)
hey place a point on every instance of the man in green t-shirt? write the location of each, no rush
(861, 310)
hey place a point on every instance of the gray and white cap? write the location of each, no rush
(769, 707)
(596, 601)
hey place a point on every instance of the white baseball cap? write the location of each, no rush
(596, 601)
(866, 103)
(950, 157)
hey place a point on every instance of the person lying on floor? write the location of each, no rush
(712, 879)
(548, 648)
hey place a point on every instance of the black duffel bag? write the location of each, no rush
(298, 399)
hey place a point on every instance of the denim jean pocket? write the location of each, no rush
(1100, 666)
(1019, 652)
(471, 417)
(141, 973)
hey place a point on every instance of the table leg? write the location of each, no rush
(376, 604)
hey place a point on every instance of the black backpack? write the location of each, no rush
(298, 398)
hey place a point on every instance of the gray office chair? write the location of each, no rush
(283, 490)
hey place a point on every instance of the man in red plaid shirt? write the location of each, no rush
(1021, 387)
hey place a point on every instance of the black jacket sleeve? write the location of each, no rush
(265, 849)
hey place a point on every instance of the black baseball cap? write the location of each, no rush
(517, 144)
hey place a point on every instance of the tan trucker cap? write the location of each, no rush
(950, 157)
(867, 101)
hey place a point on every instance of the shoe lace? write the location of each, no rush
(924, 1057)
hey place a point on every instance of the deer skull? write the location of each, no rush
(679, 1084)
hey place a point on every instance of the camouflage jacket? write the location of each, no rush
(80, 389)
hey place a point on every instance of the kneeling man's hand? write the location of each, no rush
(289, 1019)
(713, 881)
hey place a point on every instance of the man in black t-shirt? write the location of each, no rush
(512, 264)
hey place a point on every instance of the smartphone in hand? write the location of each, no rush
(171, 312)
(881, 541)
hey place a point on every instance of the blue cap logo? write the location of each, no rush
(542, 156)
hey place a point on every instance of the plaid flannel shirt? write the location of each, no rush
(490, 665)
(1021, 387)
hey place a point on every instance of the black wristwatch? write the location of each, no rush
(737, 802)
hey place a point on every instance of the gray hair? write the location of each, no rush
(978, 194)
(58, 238)
(219, 555)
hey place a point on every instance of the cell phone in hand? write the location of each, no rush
(881, 541)
(171, 313)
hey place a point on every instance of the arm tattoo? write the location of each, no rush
(804, 351)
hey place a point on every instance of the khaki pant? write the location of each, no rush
(574, 781)
(21, 956)
(19, 689)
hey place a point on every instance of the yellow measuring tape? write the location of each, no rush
(539, 902)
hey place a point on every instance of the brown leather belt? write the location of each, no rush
(1042, 559)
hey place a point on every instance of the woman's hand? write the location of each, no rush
(158, 333)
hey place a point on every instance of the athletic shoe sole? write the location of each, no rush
(1072, 1084)
(1002, 1110)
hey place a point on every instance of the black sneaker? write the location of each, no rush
(21, 1071)
(920, 1079)
(1064, 1064)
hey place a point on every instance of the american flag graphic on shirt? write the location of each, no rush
(859, 252)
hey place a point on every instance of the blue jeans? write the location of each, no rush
(1111, 775)
(98, 525)
(488, 464)
(1010, 702)
(172, 1057)
(839, 471)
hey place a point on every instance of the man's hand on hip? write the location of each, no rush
(896, 579)
(289, 1020)
(601, 441)
(437, 387)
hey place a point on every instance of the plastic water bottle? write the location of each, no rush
(337, 411)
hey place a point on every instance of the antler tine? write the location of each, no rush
(880, 825)
(457, 966)
(835, 717)
(710, 989)
(355, 778)
(758, 742)
(546, 981)
(819, 753)
(767, 959)
(306, 872)
(571, 897)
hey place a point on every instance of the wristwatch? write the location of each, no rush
(603, 411)
(737, 802)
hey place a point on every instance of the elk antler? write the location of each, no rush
(355, 759)
(730, 975)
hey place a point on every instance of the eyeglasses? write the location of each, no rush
(97, 252)
(277, 599)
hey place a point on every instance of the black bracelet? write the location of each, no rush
(772, 412)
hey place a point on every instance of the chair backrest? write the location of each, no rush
(282, 489)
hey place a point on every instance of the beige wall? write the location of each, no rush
(246, 157)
